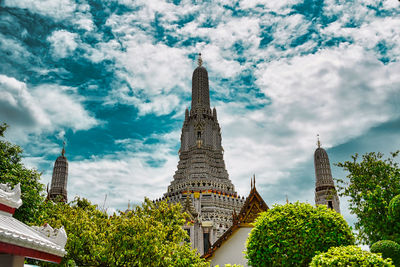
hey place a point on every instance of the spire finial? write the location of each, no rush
(251, 183)
(254, 180)
(318, 142)
(287, 199)
(63, 149)
(199, 60)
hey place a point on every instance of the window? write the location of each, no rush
(206, 241)
(198, 135)
(330, 205)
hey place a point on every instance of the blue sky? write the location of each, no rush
(113, 79)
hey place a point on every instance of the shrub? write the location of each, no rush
(394, 208)
(389, 249)
(349, 256)
(289, 235)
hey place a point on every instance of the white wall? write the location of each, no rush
(231, 251)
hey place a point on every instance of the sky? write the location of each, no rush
(113, 78)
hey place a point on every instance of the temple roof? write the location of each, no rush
(252, 207)
(43, 243)
(17, 233)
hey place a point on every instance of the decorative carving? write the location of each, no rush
(57, 236)
(10, 197)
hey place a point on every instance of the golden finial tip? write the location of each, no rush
(63, 149)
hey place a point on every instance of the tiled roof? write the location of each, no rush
(17, 233)
(253, 205)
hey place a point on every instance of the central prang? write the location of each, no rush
(201, 182)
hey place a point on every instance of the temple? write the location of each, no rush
(58, 190)
(325, 191)
(19, 241)
(201, 182)
(228, 249)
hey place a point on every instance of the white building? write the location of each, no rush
(230, 247)
(18, 240)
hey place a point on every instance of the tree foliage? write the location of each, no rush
(388, 249)
(148, 235)
(291, 234)
(370, 185)
(394, 208)
(349, 256)
(12, 171)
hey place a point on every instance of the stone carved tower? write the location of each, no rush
(60, 178)
(201, 174)
(325, 191)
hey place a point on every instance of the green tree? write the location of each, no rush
(148, 235)
(291, 234)
(349, 256)
(370, 186)
(151, 235)
(12, 171)
(389, 249)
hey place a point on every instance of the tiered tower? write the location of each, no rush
(60, 178)
(325, 191)
(201, 179)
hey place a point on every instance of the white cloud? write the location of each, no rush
(44, 108)
(63, 43)
(18, 105)
(279, 7)
(371, 33)
(127, 175)
(63, 108)
(156, 75)
(60, 9)
(340, 93)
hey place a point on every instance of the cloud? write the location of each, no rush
(63, 43)
(156, 75)
(339, 93)
(43, 108)
(280, 72)
(132, 168)
(279, 7)
(60, 9)
(18, 105)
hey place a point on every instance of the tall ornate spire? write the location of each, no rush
(60, 178)
(200, 89)
(325, 191)
(201, 176)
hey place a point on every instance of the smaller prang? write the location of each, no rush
(58, 189)
(325, 191)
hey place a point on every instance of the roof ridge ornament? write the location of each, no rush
(10, 197)
(200, 60)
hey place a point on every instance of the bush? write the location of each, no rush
(394, 208)
(349, 256)
(291, 234)
(389, 249)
